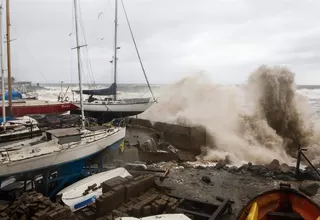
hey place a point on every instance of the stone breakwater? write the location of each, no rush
(273, 170)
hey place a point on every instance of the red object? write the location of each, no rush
(37, 107)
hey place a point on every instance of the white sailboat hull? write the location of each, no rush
(51, 154)
(116, 107)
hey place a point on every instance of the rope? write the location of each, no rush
(136, 47)
(91, 75)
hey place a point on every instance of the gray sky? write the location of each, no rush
(225, 38)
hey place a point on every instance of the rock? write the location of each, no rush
(201, 167)
(226, 168)
(284, 168)
(274, 165)
(244, 167)
(258, 169)
(206, 179)
(220, 165)
(186, 165)
(241, 172)
(310, 189)
(254, 169)
(263, 171)
(249, 164)
(285, 177)
(268, 174)
(309, 174)
(233, 169)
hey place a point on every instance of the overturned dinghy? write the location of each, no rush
(76, 196)
(280, 204)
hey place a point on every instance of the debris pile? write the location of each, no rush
(137, 197)
(35, 206)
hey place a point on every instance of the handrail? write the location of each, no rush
(300, 153)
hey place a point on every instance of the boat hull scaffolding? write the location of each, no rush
(36, 107)
(109, 110)
(27, 157)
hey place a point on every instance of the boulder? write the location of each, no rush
(285, 177)
(220, 165)
(309, 174)
(284, 168)
(206, 179)
(244, 167)
(274, 165)
(310, 189)
(263, 171)
(258, 169)
(233, 169)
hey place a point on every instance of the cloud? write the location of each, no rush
(225, 38)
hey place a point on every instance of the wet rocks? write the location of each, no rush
(309, 174)
(284, 177)
(233, 169)
(274, 165)
(220, 165)
(206, 179)
(310, 189)
(243, 168)
(284, 168)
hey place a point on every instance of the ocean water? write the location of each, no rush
(267, 118)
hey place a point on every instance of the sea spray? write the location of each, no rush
(257, 122)
(278, 104)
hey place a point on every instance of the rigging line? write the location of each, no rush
(86, 48)
(32, 57)
(138, 54)
(85, 42)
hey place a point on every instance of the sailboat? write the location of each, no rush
(112, 107)
(22, 107)
(67, 148)
(15, 128)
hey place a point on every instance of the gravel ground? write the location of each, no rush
(239, 188)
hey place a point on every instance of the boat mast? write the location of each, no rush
(2, 71)
(115, 47)
(79, 64)
(9, 55)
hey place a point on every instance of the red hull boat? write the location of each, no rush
(37, 107)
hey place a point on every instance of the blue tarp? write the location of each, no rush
(108, 91)
(15, 95)
(7, 119)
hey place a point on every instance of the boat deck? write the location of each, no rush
(27, 149)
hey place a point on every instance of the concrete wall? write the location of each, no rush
(189, 138)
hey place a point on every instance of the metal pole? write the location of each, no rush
(115, 46)
(79, 64)
(2, 70)
(9, 56)
(298, 165)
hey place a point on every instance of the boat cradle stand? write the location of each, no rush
(49, 181)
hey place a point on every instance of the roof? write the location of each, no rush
(63, 132)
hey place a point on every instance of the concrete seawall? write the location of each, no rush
(188, 138)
